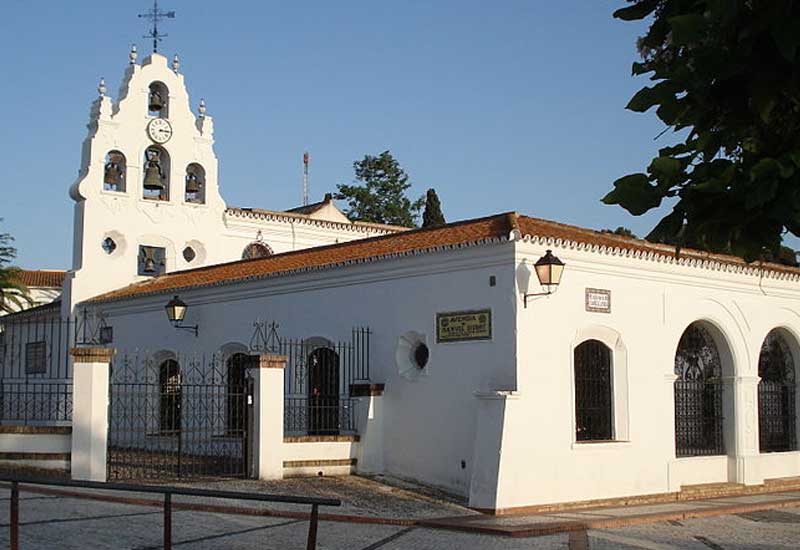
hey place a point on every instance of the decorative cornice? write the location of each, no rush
(292, 217)
(92, 355)
(668, 256)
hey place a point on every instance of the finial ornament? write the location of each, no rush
(176, 63)
(133, 55)
(202, 108)
(155, 15)
(101, 88)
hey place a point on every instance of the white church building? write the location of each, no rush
(633, 370)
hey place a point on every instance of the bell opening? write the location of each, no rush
(156, 174)
(114, 172)
(195, 184)
(158, 100)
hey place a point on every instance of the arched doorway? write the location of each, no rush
(323, 392)
(235, 394)
(777, 411)
(593, 392)
(169, 379)
(698, 394)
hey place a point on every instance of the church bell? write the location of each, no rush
(152, 176)
(192, 183)
(149, 265)
(156, 102)
(113, 175)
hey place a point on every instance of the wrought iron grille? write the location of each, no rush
(698, 395)
(777, 413)
(174, 416)
(318, 378)
(593, 395)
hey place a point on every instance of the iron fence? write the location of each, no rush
(35, 401)
(177, 416)
(776, 416)
(698, 418)
(318, 377)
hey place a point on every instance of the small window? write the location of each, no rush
(109, 245)
(256, 250)
(593, 392)
(189, 254)
(152, 261)
(36, 358)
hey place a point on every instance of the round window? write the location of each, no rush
(109, 246)
(421, 355)
(189, 254)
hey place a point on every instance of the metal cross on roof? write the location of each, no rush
(155, 15)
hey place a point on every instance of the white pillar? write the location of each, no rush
(90, 412)
(268, 371)
(484, 487)
(370, 426)
(745, 390)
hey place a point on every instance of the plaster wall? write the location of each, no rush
(428, 423)
(652, 303)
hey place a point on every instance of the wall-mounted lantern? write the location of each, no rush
(548, 270)
(176, 313)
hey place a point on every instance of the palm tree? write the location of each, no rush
(13, 294)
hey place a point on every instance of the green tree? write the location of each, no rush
(727, 74)
(432, 216)
(623, 231)
(379, 195)
(13, 294)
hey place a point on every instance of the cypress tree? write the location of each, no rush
(432, 217)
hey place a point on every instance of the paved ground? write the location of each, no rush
(50, 521)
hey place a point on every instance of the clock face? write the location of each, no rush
(159, 130)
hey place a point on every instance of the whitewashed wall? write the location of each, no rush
(430, 423)
(652, 303)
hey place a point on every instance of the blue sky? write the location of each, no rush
(511, 105)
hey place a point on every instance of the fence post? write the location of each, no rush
(370, 417)
(268, 395)
(13, 528)
(90, 412)
(742, 416)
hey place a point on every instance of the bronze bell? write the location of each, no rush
(113, 174)
(152, 176)
(156, 102)
(192, 183)
(149, 265)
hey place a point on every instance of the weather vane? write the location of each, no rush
(155, 15)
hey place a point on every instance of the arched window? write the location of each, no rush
(256, 250)
(776, 396)
(170, 398)
(156, 174)
(236, 392)
(195, 184)
(158, 100)
(114, 172)
(698, 394)
(593, 392)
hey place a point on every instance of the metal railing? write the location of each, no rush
(35, 401)
(167, 492)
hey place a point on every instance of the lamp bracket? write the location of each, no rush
(535, 295)
(190, 328)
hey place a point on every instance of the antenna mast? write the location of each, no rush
(155, 15)
(306, 159)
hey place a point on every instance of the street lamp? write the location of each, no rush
(548, 270)
(176, 312)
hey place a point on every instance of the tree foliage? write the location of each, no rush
(728, 73)
(13, 294)
(380, 193)
(432, 216)
(623, 231)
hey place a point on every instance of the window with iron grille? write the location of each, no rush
(698, 395)
(170, 398)
(593, 392)
(776, 396)
(35, 358)
(236, 394)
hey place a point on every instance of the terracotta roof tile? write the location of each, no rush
(450, 235)
(42, 278)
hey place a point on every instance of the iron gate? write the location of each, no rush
(175, 417)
